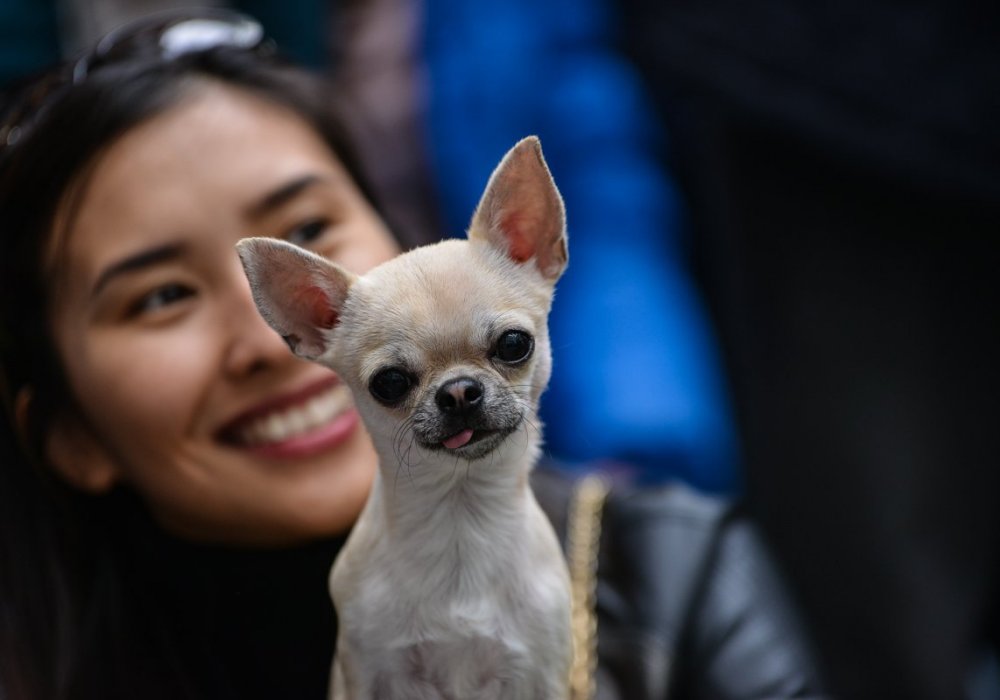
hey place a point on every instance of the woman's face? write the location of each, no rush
(183, 392)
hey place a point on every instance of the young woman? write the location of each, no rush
(174, 482)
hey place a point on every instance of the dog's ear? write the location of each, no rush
(521, 211)
(299, 293)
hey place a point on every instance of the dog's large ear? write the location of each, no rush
(522, 212)
(299, 293)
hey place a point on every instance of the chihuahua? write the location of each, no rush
(452, 584)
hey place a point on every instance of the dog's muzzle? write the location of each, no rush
(466, 418)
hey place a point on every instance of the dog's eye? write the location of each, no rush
(514, 347)
(390, 385)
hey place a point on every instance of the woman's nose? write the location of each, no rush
(253, 345)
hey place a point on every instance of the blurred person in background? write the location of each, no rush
(842, 161)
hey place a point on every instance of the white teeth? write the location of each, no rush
(298, 420)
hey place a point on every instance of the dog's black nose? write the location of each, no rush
(459, 396)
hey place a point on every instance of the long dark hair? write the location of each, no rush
(58, 580)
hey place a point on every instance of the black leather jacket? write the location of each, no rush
(689, 604)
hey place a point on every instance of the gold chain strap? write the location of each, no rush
(583, 546)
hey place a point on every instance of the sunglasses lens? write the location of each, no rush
(166, 36)
(203, 34)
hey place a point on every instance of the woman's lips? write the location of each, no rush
(316, 420)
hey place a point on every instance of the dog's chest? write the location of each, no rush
(470, 667)
(494, 638)
(469, 600)
(456, 590)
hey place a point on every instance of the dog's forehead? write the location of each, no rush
(445, 297)
(434, 282)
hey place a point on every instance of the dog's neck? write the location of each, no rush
(472, 518)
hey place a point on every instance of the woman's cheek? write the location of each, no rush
(149, 383)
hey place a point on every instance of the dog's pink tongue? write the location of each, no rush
(456, 441)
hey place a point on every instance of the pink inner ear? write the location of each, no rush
(520, 245)
(315, 300)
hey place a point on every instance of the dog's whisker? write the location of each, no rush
(403, 431)
(405, 460)
(395, 478)
(403, 453)
(400, 434)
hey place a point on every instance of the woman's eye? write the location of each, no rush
(159, 298)
(307, 232)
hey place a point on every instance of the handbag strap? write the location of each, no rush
(583, 536)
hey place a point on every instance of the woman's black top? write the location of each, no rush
(689, 606)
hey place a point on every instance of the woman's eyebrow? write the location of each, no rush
(282, 194)
(138, 261)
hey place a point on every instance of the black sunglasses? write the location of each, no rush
(164, 35)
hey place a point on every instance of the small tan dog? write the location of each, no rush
(452, 584)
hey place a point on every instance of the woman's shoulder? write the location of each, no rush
(654, 542)
(688, 600)
(664, 517)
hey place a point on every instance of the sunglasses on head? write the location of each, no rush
(165, 36)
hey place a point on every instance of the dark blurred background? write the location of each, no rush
(842, 162)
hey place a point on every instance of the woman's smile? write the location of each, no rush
(311, 421)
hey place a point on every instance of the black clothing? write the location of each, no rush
(688, 605)
(208, 622)
(688, 602)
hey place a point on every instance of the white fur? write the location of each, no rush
(458, 566)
